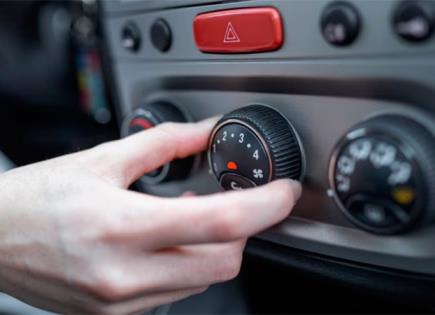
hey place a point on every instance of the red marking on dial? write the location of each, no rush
(140, 122)
(232, 165)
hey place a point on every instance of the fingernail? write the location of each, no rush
(210, 121)
(296, 187)
(188, 193)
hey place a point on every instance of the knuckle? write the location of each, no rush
(110, 229)
(229, 268)
(200, 290)
(166, 133)
(105, 287)
(168, 129)
(228, 224)
(107, 291)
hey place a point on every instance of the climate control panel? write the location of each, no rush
(381, 173)
(343, 98)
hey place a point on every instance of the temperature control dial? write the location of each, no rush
(383, 174)
(147, 116)
(252, 146)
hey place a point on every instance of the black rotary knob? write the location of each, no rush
(146, 116)
(252, 146)
(414, 20)
(382, 174)
(340, 24)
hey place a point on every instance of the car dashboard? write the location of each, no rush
(353, 81)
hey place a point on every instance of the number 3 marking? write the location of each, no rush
(241, 137)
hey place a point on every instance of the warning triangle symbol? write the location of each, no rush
(231, 34)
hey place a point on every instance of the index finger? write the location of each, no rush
(129, 158)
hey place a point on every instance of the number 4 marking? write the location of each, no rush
(255, 155)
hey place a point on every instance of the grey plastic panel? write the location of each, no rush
(126, 6)
(303, 38)
(322, 90)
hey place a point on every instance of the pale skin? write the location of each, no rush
(73, 239)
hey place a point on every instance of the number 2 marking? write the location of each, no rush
(224, 138)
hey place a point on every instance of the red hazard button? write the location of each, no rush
(239, 31)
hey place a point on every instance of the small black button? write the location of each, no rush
(414, 20)
(161, 36)
(374, 212)
(231, 181)
(340, 24)
(130, 37)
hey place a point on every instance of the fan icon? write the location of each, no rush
(258, 173)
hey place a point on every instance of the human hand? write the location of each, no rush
(73, 239)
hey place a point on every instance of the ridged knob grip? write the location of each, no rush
(257, 143)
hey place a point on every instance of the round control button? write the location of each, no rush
(414, 21)
(383, 174)
(161, 36)
(252, 146)
(231, 181)
(340, 24)
(147, 116)
(139, 122)
(130, 37)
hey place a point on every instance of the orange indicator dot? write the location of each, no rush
(404, 195)
(232, 165)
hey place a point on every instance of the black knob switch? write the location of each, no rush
(130, 37)
(252, 146)
(340, 24)
(382, 174)
(233, 181)
(161, 35)
(147, 116)
(414, 21)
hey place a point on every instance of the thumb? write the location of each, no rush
(124, 161)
